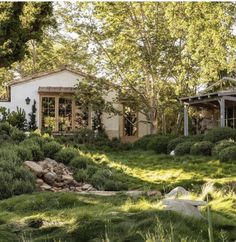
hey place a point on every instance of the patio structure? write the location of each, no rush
(221, 105)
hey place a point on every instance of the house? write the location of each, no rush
(59, 109)
(216, 106)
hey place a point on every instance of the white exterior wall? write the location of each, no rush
(64, 78)
(20, 91)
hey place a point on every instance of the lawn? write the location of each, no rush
(76, 217)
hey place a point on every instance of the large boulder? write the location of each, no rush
(50, 178)
(34, 167)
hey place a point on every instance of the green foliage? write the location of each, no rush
(14, 179)
(228, 154)
(36, 151)
(32, 115)
(6, 128)
(142, 143)
(218, 134)
(24, 153)
(17, 119)
(159, 144)
(222, 145)
(81, 162)
(201, 148)
(66, 155)
(9, 154)
(183, 148)
(18, 135)
(19, 23)
(50, 149)
(82, 175)
(174, 142)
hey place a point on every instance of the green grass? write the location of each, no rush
(79, 218)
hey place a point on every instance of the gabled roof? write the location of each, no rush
(42, 74)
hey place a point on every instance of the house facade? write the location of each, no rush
(58, 109)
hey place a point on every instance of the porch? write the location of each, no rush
(222, 104)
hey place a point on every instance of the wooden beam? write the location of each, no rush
(229, 98)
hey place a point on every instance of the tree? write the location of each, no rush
(155, 52)
(19, 23)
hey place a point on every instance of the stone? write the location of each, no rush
(86, 187)
(45, 186)
(39, 182)
(185, 207)
(172, 153)
(176, 192)
(50, 178)
(34, 167)
(67, 178)
(153, 193)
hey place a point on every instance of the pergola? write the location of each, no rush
(221, 100)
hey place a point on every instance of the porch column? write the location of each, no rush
(222, 112)
(186, 119)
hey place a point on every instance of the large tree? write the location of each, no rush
(19, 23)
(156, 52)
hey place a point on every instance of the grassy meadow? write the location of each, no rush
(74, 217)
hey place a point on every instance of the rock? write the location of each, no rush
(172, 153)
(34, 167)
(51, 161)
(45, 186)
(153, 193)
(50, 178)
(39, 182)
(86, 187)
(176, 192)
(67, 178)
(185, 207)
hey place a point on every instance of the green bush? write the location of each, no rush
(6, 128)
(201, 148)
(174, 142)
(228, 154)
(9, 154)
(222, 145)
(15, 180)
(81, 162)
(142, 143)
(66, 155)
(50, 149)
(195, 138)
(36, 151)
(219, 134)
(183, 148)
(18, 135)
(24, 153)
(159, 144)
(82, 175)
(17, 119)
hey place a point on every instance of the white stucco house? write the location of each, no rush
(58, 108)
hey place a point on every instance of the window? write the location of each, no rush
(130, 122)
(65, 114)
(48, 113)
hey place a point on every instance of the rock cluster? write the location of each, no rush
(54, 176)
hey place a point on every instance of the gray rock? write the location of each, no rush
(50, 178)
(176, 192)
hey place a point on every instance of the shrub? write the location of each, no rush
(82, 175)
(9, 154)
(36, 151)
(159, 144)
(142, 143)
(183, 148)
(219, 134)
(228, 154)
(222, 145)
(24, 153)
(174, 142)
(50, 149)
(196, 137)
(201, 148)
(81, 162)
(66, 155)
(17, 119)
(18, 135)
(15, 180)
(6, 128)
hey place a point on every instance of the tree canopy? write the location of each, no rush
(19, 23)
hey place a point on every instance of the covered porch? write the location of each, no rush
(222, 104)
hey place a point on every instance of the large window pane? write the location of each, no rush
(65, 114)
(48, 114)
(81, 116)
